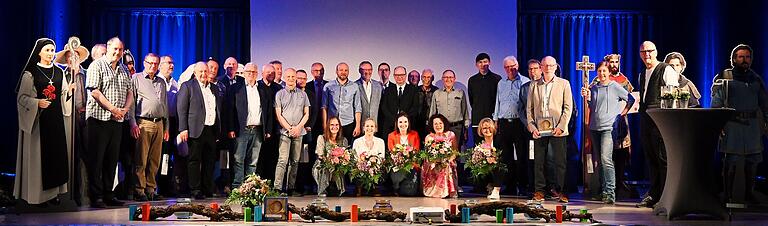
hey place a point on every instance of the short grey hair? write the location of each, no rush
(511, 58)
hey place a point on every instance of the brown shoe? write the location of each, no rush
(538, 196)
(563, 198)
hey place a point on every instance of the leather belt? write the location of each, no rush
(150, 119)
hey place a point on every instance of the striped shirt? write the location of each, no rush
(113, 84)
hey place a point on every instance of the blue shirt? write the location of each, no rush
(604, 105)
(508, 97)
(342, 100)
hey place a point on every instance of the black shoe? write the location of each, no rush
(155, 197)
(646, 202)
(55, 201)
(98, 203)
(296, 194)
(198, 195)
(113, 202)
(140, 198)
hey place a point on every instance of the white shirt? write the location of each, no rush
(378, 147)
(670, 77)
(367, 88)
(210, 104)
(254, 105)
(547, 95)
(400, 88)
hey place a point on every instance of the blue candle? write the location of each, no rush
(131, 211)
(465, 215)
(510, 214)
(338, 208)
(257, 213)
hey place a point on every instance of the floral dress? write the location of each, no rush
(439, 180)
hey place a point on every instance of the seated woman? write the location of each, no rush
(369, 145)
(402, 135)
(440, 180)
(487, 130)
(331, 138)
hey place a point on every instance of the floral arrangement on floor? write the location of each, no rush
(252, 192)
(368, 170)
(437, 150)
(483, 160)
(403, 157)
(339, 160)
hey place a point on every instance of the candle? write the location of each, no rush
(257, 212)
(510, 214)
(145, 208)
(499, 216)
(559, 214)
(247, 214)
(453, 209)
(290, 216)
(338, 208)
(465, 215)
(215, 207)
(353, 215)
(131, 212)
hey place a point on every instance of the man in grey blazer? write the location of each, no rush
(198, 106)
(371, 93)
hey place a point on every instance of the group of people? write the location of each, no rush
(282, 113)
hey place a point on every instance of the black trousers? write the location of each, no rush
(655, 155)
(514, 140)
(554, 160)
(127, 160)
(202, 160)
(347, 132)
(101, 158)
(165, 183)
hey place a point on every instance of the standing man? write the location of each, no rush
(198, 106)
(384, 74)
(270, 145)
(304, 181)
(426, 90)
(342, 99)
(171, 186)
(292, 111)
(229, 78)
(413, 78)
(149, 126)
(741, 142)
(278, 72)
(250, 122)
(314, 90)
(452, 104)
(226, 143)
(370, 91)
(98, 51)
(656, 75)
(110, 100)
(549, 107)
(509, 126)
(482, 91)
(401, 97)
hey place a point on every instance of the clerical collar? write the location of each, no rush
(45, 66)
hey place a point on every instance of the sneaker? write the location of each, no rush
(538, 196)
(646, 202)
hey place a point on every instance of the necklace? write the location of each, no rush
(50, 79)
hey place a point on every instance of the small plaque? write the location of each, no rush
(545, 125)
(276, 209)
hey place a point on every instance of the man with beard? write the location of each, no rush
(741, 142)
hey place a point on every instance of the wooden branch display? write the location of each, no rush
(489, 208)
(223, 213)
(311, 211)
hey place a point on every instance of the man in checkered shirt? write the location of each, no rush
(111, 98)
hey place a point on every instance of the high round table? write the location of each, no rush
(691, 137)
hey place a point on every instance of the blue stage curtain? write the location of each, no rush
(188, 35)
(569, 35)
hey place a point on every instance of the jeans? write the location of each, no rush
(602, 143)
(247, 149)
(290, 150)
(552, 151)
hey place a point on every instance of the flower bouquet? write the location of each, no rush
(338, 160)
(403, 157)
(483, 160)
(367, 170)
(437, 150)
(252, 192)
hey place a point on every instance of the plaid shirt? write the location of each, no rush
(113, 84)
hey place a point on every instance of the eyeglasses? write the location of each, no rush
(399, 74)
(249, 71)
(152, 63)
(647, 51)
(449, 77)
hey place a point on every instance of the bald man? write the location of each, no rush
(198, 105)
(656, 75)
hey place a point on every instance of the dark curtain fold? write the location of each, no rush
(188, 36)
(569, 35)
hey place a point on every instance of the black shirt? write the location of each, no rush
(482, 95)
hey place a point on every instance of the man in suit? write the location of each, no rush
(250, 122)
(370, 91)
(384, 75)
(314, 90)
(549, 108)
(400, 97)
(225, 143)
(198, 107)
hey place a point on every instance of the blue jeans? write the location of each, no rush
(247, 150)
(602, 143)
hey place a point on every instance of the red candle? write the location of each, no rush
(559, 214)
(353, 216)
(215, 207)
(145, 211)
(453, 209)
(290, 216)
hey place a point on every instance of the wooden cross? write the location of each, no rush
(585, 67)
